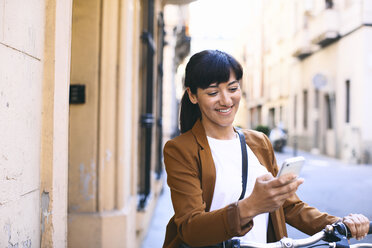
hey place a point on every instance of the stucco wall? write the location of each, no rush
(21, 46)
(34, 80)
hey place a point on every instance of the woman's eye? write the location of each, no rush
(212, 93)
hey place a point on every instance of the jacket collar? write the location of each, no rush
(207, 168)
(199, 134)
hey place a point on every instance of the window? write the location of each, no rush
(329, 118)
(272, 117)
(305, 22)
(259, 114)
(281, 113)
(347, 86)
(316, 100)
(305, 109)
(295, 111)
(253, 118)
(329, 4)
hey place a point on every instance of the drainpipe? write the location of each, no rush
(159, 166)
(147, 119)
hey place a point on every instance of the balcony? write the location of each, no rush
(325, 28)
(302, 45)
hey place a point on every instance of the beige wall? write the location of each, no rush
(54, 147)
(103, 131)
(83, 118)
(69, 173)
(21, 66)
(33, 158)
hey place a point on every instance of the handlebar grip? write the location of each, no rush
(369, 230)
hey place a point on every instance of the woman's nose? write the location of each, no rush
(225, 99)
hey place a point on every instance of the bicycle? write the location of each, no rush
(335, 236)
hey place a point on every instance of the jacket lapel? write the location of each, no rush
(206, 167)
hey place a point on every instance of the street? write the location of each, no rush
(334, 187)
(330, 185)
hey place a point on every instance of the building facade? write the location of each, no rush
(308, 67)
(34, 76)
(81, 86)
(177, 49)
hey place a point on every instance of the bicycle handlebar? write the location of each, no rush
(330, 234)
(286, 242)
(349, 233)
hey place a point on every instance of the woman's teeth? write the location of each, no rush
(224, 110)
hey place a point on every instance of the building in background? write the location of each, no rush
(308, 65)
(81, 106)
(178, 42)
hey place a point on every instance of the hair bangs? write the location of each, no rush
(218, 71)
(202, 70)
(210, 66)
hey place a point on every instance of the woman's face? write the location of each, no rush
(218, 103)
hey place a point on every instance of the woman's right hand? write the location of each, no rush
(269, 193)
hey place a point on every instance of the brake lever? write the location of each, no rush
(336, 235)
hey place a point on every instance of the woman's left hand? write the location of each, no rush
(358, 225)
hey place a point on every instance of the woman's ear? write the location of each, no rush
(192, 96)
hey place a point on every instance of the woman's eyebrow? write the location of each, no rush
(213, 85)
(233, 82)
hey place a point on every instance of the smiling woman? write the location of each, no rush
(213, 93)
(216, 196)
(218, 105)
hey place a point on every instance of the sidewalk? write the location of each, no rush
(315, 183)
(162, 214)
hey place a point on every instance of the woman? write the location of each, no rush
(204, 163)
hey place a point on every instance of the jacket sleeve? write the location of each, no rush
(195, 226)
(305, 218)
(299, 214)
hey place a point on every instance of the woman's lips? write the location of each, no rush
(226, 110)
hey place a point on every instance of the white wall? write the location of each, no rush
(21, 46)
(61, 121)
(367, 84)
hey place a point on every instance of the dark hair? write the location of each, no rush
(203, 69)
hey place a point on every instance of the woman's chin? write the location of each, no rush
(225, 123)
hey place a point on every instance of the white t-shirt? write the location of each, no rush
(227, 158)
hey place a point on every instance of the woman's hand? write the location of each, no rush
(269, 194)
(358, 225)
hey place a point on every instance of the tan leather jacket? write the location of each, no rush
(191, 177)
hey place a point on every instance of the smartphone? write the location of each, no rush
(292, 165)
